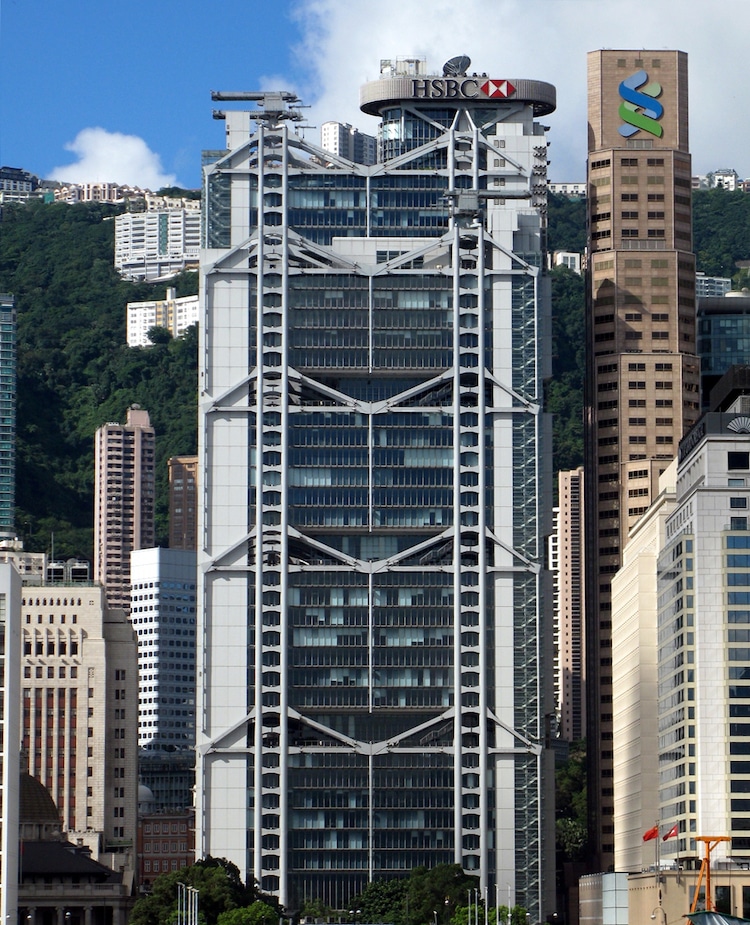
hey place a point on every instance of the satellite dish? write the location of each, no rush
(457, 67)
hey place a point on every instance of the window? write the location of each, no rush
(738, 460)
(629, 162)
(738, 523)
(738, 503)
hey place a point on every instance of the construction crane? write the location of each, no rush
(710, 841)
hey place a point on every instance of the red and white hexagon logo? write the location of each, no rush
(498, 88)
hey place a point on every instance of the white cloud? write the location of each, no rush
(536, 39)
(111, 157)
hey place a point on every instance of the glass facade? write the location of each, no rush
(371, 693)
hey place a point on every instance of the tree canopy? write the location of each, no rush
(220, 890)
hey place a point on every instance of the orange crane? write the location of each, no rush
(710, 841)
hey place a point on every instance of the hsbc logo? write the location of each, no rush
(468, 88)
(498, 89)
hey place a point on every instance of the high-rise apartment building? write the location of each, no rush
(376, 668)
(79, 714)
(643, 376)
(570, 633)
(7, 414)
(10, 736)
(176, 315)
(183, 502)
(158, 243)
(342, 139)
(123, 501)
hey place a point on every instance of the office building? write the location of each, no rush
(569, 570)
(723, 338)
(684, 763)
(183, 502)
(642, 388)
(340, 138)
(162, 612)
(7, 415)
(176, 315)
(123, 501)
(158, 243)
(376, 674)
(635, 685)
(10, 736)
(79, 715)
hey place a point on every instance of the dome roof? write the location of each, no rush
(145, 794)
(35, 804)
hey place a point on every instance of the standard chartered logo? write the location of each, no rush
(639, 109)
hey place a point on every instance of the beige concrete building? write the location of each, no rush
(635, 683)
(569, 582)
(80, 713)
(124, 495)
(643, 375)
(183, 502)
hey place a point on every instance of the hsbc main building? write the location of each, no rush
(374, 688)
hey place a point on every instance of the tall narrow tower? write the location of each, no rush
(371, 593)
(123, 501)
(7, 415)
(643, 375)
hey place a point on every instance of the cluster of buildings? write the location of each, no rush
(353, 659)
(99, 692)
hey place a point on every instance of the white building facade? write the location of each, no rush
(162, 611)
(157, 244)
(176, 315)
(376, 665)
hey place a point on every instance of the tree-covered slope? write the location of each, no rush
(76, 372)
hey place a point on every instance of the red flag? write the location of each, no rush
(672, 833)
(652, 833)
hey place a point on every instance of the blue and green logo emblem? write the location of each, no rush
(639, 109)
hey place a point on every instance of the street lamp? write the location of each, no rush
(659, 909)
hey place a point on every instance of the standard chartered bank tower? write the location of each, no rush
(375, 663)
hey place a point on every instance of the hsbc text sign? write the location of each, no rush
(452, 88)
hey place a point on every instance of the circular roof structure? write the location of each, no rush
(35, 803)
(460, 90)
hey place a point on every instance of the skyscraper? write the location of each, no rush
(643, 375)
(162, 612)
(376, 675)
(7, 415)
(10, 735)
(569, 570)
(183, 502)
(123, 501)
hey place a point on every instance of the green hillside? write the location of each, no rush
(76, 372)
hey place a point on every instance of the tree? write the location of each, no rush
(220, 889)
(259, 913)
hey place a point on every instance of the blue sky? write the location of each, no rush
(122, 90)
